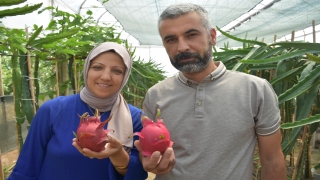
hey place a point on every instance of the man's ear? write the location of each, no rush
(213, 35)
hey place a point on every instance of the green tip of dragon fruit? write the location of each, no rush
(158, 113)
(75, 135)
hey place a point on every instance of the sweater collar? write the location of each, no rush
(221, 69)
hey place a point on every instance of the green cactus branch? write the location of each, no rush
(20, 10)
(313, 58)
(302, 122)
(241, 40)
(300, 45)
(302, 86)
(11, 2)
(278, 58)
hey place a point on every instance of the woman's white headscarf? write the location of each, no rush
(121, 120)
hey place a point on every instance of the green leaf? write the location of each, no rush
(54, 37)
(20, 10)
(279, 58)
(20, 47)
(34, 35)
(232, 52)
(132, 94)
(302, 122)
(313, 58)
(300, 45)
(26, 100)
(302, 86)
(16, 79)
(304, 105)
(271, 52)
(11, 2)
(89, 12)
(4, 48)
(263, 67)
(239, 66)
(68, 51)
(241, 40)
(287, 74)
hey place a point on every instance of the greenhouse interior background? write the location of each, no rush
(268, 21)
(137, 20)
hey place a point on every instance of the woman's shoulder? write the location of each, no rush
(134, 109)
(60, 100)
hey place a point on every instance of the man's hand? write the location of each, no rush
(157, 163)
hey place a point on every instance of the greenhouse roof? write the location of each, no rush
(251, 19)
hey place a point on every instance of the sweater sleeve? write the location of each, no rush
(268, 118)
(29, 163)
(135, 169)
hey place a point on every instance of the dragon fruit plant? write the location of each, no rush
(154, 136)
(91, 133)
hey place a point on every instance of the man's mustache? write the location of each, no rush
(186, 55)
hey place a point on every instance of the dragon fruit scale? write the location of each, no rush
(154, 136)
(91, 133)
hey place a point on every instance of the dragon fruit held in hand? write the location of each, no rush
(91, 133)
(154, 136)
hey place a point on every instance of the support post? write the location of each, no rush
(1, 168)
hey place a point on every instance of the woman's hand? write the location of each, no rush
(113, 150)
(113, 147)
(157, 163)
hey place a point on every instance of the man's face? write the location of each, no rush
(198, 64)
(187, 42)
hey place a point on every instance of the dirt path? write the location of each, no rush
(9, 158)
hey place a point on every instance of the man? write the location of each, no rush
(215, 116)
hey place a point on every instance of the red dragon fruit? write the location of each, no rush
(91, 133)
(154, 136)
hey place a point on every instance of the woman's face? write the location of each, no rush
(105, 74)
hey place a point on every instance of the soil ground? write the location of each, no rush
(8, 160)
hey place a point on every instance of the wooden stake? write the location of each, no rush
(314, 30)
(30, 77)
(1, 83)
(1, 168)
(79, 77)
(75, 74)
(292, 36)
(57, 78)
(314, 41)
(300, 153)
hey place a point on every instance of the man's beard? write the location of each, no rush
(192, 66)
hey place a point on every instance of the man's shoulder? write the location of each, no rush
(164, 84)
(236, 75)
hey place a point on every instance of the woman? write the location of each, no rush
(47, 153)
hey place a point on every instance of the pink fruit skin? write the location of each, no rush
(91, 133)
(154, 136)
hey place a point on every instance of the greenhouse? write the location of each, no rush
(45, 44)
